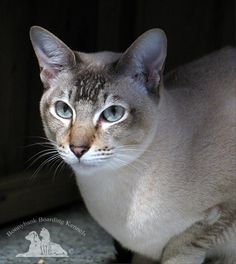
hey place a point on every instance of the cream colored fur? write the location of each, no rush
(173, 197)
(190, 164)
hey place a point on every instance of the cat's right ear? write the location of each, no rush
(144, 60)
(53, 55)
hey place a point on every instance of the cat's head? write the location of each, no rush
(99, 108)
(44, 233)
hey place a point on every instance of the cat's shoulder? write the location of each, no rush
(213, 67)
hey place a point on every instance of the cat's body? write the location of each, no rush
(143, 206)
(173, 170)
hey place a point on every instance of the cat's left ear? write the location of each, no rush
(144, 59)
(53, 55)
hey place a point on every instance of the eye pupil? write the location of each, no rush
(113, 110)
(65, 107)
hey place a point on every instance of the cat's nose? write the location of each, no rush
(79, 151)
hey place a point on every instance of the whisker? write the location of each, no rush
(42, 165)
(112, 168)
(53, 159)
(137, 150)
(72, 174)
(62, 167)
(45, 138)
(41, 156)
(137, 164)
(127, 164)
(55, 172)
(53, 162)
(136, 160)
(47, 161)
(42, 144)
(40, 152)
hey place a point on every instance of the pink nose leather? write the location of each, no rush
(79, 151)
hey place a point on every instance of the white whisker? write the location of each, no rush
(40, 152)
(58, 166)
(48, 152)
(40, 137)
(47, 161)
(135, 150)
(143, 163)
(42, 144)
(53, 159)
(129, 165)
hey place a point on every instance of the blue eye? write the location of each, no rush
(63, 110)
(113, 113)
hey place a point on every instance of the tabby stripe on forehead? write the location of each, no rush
(69, 95)
(89, 85)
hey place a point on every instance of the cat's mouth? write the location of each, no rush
(94, 161)
(84, 162)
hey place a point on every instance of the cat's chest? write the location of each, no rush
(109, 200)
(132, 211)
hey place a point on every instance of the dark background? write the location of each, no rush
(193, 29)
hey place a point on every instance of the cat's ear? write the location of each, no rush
(144, 59)
(53, 55)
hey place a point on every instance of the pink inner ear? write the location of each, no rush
(47, 74)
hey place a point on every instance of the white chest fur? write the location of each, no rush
(133, 210)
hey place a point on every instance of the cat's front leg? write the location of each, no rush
(192, 245)
(181, 249)
(192, 256)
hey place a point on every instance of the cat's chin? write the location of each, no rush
(88, 168)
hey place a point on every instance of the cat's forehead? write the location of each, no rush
(92, 86)
(89, 84)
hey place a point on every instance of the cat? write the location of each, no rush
(153, 154)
